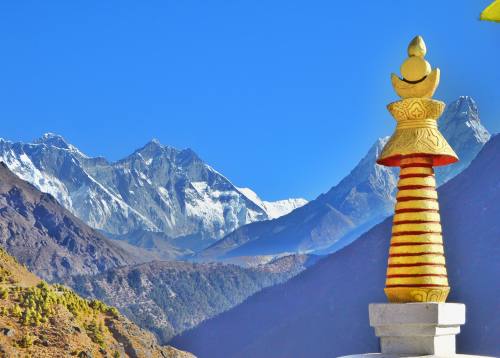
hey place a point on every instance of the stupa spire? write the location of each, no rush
(416, 269)
(416, 322)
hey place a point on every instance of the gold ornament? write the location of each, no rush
(415, 68)
(416, 269)
(421, 89)
(419, 80)
(492, 12)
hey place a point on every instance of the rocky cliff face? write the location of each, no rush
(363, 198)
(323, 312)
(48, 238)
(156, 189)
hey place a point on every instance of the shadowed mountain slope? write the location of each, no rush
(323, 312)
(168, 298)
(47, 238)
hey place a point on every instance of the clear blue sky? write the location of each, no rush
(281, 96)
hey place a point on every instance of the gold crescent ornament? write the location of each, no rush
(421, 89)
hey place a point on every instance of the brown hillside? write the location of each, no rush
(41, 320)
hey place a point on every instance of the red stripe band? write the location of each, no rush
(407, 233)
(416, 175)
(416, 165)
(415, 265)
(402, 222)
(400, 211)
(415, 243)
(409, 198)
(416, 275)
(417, 254)
(423, 285)
(411, 187)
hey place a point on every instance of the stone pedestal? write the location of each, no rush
(416, 329)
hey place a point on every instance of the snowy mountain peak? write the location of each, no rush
(155, 150)
(57, 141)
(152, 150)
(153, 145)
(464, 104)
(461, 126)
(462, 116)
(274, 209)
(53, 139)
(375, 150)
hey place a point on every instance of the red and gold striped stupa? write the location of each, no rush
(416, 269)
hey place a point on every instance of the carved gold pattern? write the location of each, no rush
(417, 133)
(411, 109)
(402, 295)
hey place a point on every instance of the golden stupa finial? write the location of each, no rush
(418, 80)
(417, 47)
(416, 270)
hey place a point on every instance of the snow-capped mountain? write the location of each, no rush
(461, 124)
(274, 209)
(156, 189)
(360, 200)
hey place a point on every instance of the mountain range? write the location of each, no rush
(360, 200)
(323, 312)
(166, 297)
(156, 189)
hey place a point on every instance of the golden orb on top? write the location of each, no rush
(415, 68)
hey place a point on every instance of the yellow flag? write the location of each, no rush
(492, 12)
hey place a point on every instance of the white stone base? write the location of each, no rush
(416, 330)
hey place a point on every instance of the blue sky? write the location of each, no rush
(282, 96)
